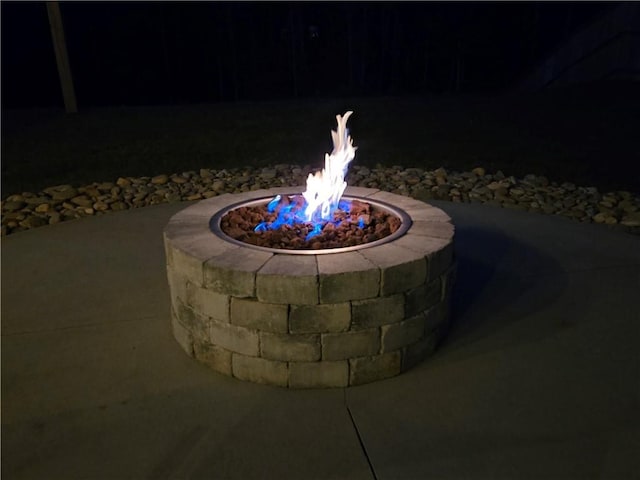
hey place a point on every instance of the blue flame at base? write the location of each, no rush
(291, 213)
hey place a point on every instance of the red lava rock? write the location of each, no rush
(241, 222)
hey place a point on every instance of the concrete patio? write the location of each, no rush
(538, 378)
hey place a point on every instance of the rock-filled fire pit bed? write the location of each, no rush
(376, 205)
(309, 321)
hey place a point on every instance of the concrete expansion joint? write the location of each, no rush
(363, 447)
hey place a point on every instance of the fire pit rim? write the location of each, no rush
(405, 218)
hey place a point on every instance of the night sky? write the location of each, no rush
(135, 53)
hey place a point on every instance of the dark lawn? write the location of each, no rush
(587, 135)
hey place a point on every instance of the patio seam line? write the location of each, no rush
(360, 439)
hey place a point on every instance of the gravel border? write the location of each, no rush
(533, 193)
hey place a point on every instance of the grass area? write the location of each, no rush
(586, 135)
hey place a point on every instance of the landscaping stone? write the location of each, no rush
(534, 193)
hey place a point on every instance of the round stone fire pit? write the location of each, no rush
(310, 318)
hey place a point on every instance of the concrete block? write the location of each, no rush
(372, 368)
(196, 324)
(425, 296)
(399, 201)
(360, 191)
(318, 374)
(206, 208)
(177, 284)
(183, 227)
(234, 273)
(329, 317)
(288, 279)
(415, 353)
(347, 276)
(436, 316)
(443, 230)
(440, 260)
(168, 249)
(401, 268)
(394, 337)
(236, 339)
(182, 335)
(427, 213)
(448, 280)
(213, 356)
(189, 252)
(259, 370)
(286, 347)
(342, 346)
(187, 266)
(377, 311)
(208, 303)
(268, 317)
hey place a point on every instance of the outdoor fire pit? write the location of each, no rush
(341, 300)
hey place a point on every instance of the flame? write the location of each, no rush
(324, 188)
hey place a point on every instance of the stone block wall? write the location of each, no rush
(309, 321)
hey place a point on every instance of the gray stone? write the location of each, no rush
(423, 297)
(415, 353)
(444, 230)
(398, 335)
(177, 285)
(439, 261)
(318, 374)
(377, 311)
(236, 339)
(195, 323)
(448, 280)
(213, 356)
(342, 346)
(320, 318)
(372, 368)
(347, 276)
(208, 303)
(436, 317)
(288, 279)
(287, 347)
(182, 335)
(259, 370)
(234, 272)
(268, 317)
(401, 269)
